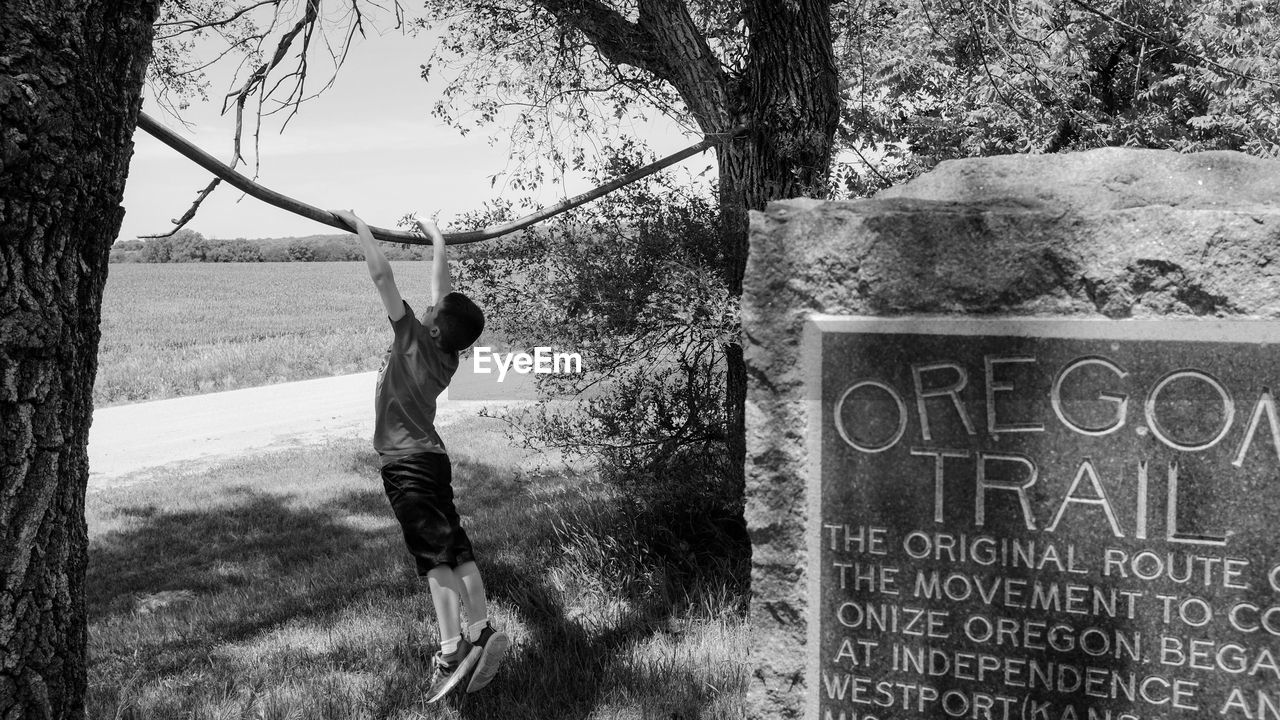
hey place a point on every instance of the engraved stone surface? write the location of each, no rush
(1045, 519)
(1102, 234)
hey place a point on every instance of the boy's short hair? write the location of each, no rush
(460, 321)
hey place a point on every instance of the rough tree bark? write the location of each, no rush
(71, 75)
(789, 101)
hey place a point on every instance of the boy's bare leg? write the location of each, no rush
(446, 594)
(473, 597)
(492, 643)
(457, 660)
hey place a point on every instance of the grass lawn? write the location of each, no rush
(278, 587)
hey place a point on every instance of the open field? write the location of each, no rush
(187, 328)
(278, 587)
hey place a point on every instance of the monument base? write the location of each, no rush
(1104, 234)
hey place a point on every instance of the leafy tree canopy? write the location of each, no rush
(928, 80)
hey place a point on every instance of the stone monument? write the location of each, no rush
(1013, 443)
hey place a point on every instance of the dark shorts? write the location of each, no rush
(421, 493)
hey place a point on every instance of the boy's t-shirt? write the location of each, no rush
(414, 373)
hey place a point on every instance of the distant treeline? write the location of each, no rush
(190, 246)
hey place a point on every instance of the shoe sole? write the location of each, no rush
(464, 668)
(490, 658)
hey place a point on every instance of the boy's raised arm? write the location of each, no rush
(379, 268)
(441, 284)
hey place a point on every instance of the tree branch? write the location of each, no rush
(190, 213)
(665, 41)
(617, 38)
(191, 26)
(259, 76)
(297, 207)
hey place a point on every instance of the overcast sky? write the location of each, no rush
(369, 143)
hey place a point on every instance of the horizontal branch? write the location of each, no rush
(297, 207)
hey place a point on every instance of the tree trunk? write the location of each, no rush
(789, 101)
(790, 104)
(70, 80)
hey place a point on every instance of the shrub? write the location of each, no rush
(187, 246)
(301, 251)
(233, 251)
(155, 250)
(630, 283)
(336, 251)
(274, 252)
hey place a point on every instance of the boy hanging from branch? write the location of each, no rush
(416, 473)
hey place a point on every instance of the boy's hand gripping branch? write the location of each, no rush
(379, 267)
(441, 284)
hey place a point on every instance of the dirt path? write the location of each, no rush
(126, 441)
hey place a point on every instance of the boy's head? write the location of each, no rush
(459, 321)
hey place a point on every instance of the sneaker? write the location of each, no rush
(492, 646)
(449, 674)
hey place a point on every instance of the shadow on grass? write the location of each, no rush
(256, 538)
(563, 668)
(258, 561)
